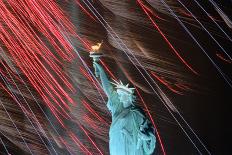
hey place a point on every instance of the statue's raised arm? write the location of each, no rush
(99, 71)
(107, 86)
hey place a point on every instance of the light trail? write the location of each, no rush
(50, 122)
(91, 123)
(181, 23)
(228, 37)
(25, 111)
(90, 109)
(149, 10)
(37, 121)
(85, 11)
(165, 38)
(4, 145)
(229, 82)
(76, 140)
(222, 58)
(15, 126)
(62, 92)
(26, 63)
(86, 133)
(107, 69)
(205, 29)
(226, 19)
(90, 78)
(166, 84)
(67, 146)
(27, 55)
(35, 70)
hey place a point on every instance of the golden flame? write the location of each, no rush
(96, 47)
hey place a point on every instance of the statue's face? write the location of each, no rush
(124, 97)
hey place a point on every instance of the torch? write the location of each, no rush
(96, 54)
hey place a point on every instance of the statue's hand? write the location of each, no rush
(143, 136)
(147, 141)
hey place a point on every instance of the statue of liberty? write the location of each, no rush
(131, 132)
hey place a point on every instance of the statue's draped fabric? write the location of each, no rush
(125, 128)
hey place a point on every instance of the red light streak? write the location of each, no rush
(222, 58)
(89, 77)
(79, 144)
(91, 123)
(86, 133)
(107, 69)
(66, 145)
(87, 106)
(165, 83)
(85, 11)
(165, 38)
(152, 12)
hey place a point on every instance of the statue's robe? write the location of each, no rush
(124, 130)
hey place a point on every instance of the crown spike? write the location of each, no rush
(120, 85)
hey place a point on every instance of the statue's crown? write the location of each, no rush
(120, 85)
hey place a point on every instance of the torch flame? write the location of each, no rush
(96, 47)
